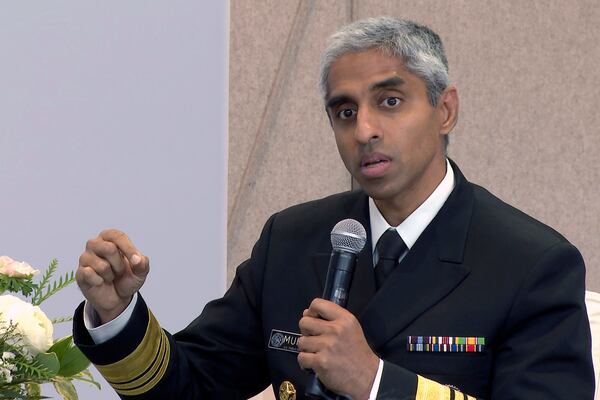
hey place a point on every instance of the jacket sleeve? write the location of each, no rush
(544, 349)
(219, 355)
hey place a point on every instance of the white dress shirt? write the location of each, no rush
(409, 230)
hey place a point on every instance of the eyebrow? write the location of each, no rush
(394, 81)
(337, 100)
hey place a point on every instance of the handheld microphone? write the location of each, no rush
(348, 238)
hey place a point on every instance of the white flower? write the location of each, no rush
(30, 321)
(16, 269)
(6, 367)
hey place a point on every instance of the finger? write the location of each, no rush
(108, 251)
(86, 277)
(310, 326)
(307, 361)
(310, 313)
(123, 243)
(325, 309)
(311, 344)
(100, 265)
(142, 268)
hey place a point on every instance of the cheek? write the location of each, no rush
(344, 146)
(421, 134)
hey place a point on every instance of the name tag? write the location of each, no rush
(283, 340)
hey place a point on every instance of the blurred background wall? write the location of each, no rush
(529, 128)
(114, 114)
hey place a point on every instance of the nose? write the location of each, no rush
(367, 128)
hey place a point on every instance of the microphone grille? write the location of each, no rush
(348, 235)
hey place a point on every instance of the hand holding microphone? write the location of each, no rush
(332, 343)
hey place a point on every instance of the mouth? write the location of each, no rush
(374, 165)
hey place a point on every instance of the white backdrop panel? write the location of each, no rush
(113, 114)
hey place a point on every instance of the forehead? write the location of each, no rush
(353, 72)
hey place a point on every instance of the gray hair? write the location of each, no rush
(418, 46)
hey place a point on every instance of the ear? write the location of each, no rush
(448, 109)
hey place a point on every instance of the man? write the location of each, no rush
(476, 300)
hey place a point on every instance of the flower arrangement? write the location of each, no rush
(29, 356)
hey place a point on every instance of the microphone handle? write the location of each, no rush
(339, 277)
(337, 286)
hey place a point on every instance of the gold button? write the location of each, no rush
(287, 391)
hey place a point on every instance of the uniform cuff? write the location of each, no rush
(103, 333)
(377, 381)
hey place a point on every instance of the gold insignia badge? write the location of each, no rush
(287, 391)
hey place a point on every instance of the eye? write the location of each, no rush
(346, 113)
(390, 102)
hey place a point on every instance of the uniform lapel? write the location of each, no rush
(430, 271)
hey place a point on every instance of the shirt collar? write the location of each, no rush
(411, 228)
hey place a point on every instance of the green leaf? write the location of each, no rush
(60, 320)
(65, 388)
(56, 286)
(86, 376)
(61, 346)
(33, 390)
(11, 392)
(44, 281)
(70, 358)
(72, 362)
(49, 361)
(25, 286)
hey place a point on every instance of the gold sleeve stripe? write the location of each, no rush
(151, 378)
(141, 370)
(431, 390)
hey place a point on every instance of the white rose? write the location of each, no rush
(30, 321)
(16, 269)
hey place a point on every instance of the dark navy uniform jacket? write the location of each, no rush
(481, 270)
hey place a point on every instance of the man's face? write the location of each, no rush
(388, 134)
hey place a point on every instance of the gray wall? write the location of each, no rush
(528, 130)
(113, 114)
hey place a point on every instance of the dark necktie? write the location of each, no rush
(389, 248)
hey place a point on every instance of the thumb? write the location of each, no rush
(140, 265)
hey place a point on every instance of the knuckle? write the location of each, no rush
(90, 244)
(346, 323)
(108, 232)
(79, 275)
(85, 274)
(110, 249)
(302, 322)
(323, 362)
(102, 268)
(329, 346)
(337, 329)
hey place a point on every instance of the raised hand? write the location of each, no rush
(111, 270)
